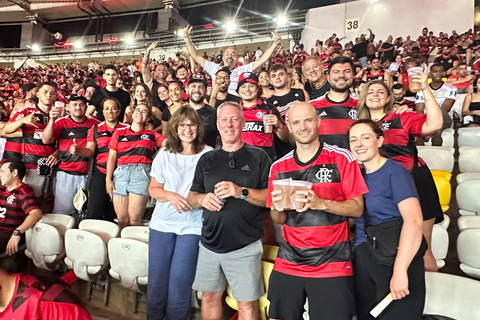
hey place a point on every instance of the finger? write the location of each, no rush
(276, 193)
(74, 141)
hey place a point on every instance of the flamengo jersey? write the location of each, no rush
(399, 131)
(135, 147)
(45, 298)
(336, 119)
(15, 205)
(13, 149)
(33, 147)
(378, 76)
(446, 91)
(286, 102)
(317, 243)
(253, 132)
(65, 130)
(102, 139)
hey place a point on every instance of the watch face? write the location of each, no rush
(244, 192)
(16, 233)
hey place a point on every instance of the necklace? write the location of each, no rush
(321, 85)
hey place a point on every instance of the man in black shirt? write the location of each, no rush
(446, 58)
(196, 90)
(360, 48)
(388, 49)
(313, 70)
(220, 89)
(230, 185)
(110, 91)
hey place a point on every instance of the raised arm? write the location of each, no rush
(191, 47)
(277, 38)
(434, 113)
(146, 73)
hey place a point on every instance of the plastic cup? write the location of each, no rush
(414, 86)
(297, 185)
(284, 186)
(267, 128)
(60, 106)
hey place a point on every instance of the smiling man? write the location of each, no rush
(318, 85)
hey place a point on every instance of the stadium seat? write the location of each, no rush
(468, 222)
(468, 159)
(139, 233)
(442, 173)
(468, 137)
(45, 241)
(269, 253)
(437, 158)
(468, 176)
(451, 296)
(267, 268)
(446, 222)
(448, 139)
(468, 198)
(439, 244)
(457, 106)
(444, 190)
(129, 263)
(469, 252)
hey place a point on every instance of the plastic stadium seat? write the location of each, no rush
(446, 222)
(452, 296)
(444, 190)
(104, 229)
(45, 241)
(469, 252)
(437, 158)
(129, 263)
(439, 244)
(468, 176)
(269, 253)
(468, 137)
(448, 139)
(468, 159)
(468, 222)
(468, 197)
(442, 173)
(267, 268)
(139, 233)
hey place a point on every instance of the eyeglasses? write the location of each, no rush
(231, 162)
(143, 113)
(193, 126)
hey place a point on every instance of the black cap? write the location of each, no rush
(28, 86)
(249, 77)
(75, 97)
(197, 77)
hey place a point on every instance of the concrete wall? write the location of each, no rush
(387, 17)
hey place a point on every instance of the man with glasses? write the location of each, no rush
(230, 186)
(220, 89)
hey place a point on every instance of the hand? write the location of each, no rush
(271, 119)
(226, 189)
(55, 113)
(152, 46)
(277, 196)
(187, 31)
(399, 109)
(216, 88)
(277, 38)
(310, 199)
(110, 187)
(73, 147)
(31, 119)
(52, 159)
(12, 245)
(179, 203)
(399, 285)
(211, 202)
(422, 78)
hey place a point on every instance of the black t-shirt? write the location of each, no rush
(121, 95)
(154, 90)
(360, 49)
(238, 223)
(317, 93)
(447, 63)
(229, 97)
(388, 54)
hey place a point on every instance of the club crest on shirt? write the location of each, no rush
(324, 175)
(260, 115)
(386, 126)
(144, 136)
(353, 114)
(10, 199)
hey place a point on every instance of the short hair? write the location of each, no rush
(48, 83)
(277, 67)
(308, 59)
(398, 86)
(372, 124)
(437, 65)
(224, 69)
(374, 58)
(173, 142)
(111, 99)
(340, 60)
(19, 166)
(111, 67)
(230, 103)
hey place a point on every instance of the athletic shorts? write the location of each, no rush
(427, 193)
(328, 298)
(132, 178)
(242, 269)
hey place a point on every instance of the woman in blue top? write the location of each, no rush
(392, 196)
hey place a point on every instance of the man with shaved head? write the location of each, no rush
(314, 261)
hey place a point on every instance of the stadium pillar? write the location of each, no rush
(34, 33)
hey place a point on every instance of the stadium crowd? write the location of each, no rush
(199, 135)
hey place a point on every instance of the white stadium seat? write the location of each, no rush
(469, 252)
(139, 233)
(468, 222)
(468, 137)
(468, 159)
(448, 139)
(446, 222)
(468, 198)
(468, 176)
(437, 158)
(439, 244)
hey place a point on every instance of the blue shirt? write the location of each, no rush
(388, 186)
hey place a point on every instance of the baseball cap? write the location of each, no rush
(28, 87)
(197, 77)
(75, 97)
(247, 77)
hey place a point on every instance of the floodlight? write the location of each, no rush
(36, 47)
(281, 20)
(78, 45)
(230, 26)
(129, 40)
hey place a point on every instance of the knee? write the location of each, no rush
(212, 297)
(247, 306)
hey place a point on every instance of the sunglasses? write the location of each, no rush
(231, 161)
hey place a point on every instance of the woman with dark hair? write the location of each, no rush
(471, 106)
(130, 155)
(392, 202)
(264, 82)
(175, 227)
(141, 95)
(175, 93)
(400, 130)
(163, 97)
(297, 83)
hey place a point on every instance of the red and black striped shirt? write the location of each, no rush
(378, 76)
(65, 130)
(336, 119)
(33, 147)
(15, 205)
(399, 131)
(135, 147)
(317, 243)
(13, 149)
(102, 139)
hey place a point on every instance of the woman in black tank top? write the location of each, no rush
(471, 107)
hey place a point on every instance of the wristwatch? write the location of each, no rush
(244, 193)
(17, 232)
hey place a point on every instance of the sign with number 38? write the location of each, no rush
(352, 25)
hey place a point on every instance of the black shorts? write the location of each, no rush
(328, 298)
(427, 192)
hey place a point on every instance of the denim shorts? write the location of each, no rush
(132, 178)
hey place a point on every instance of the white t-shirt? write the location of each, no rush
(446, 91)
(176, 172)
(211, 68)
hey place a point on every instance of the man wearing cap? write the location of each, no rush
(196, 90)
(32, 120)
(229, 58)
(261, 119)
(71, 133)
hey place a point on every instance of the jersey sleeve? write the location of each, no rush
(29, 202)
(113, 144)
(402, 184)
(353, 184)
(413, 122)
(158, 167)
(198, 184)
(159, 139)
(90, 134)
(57, 128)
